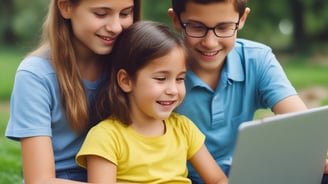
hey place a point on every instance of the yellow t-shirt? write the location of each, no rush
(142, 159)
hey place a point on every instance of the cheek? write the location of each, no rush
(127, 23)
(229, 43)
(182, 90)
(190, 41)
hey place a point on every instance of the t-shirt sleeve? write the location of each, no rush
(99, 142)
(30, 104)
(195, 137)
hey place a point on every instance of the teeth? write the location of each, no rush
(209, 53)
(166, 103)
(106, 38)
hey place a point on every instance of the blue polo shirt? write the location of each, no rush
(251, 79)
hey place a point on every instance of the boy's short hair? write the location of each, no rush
(179, 6)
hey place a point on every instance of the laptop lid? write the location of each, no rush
(283, 149)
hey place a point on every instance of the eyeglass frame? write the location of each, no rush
(184, 26)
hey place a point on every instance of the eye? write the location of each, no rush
(160, 78)
(195, 26)
(126, 12)
(224, 27)
(100, 14)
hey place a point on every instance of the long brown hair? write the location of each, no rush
(56, 39)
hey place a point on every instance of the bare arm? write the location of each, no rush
(207, 168)
(38, 162)
(100, 170)
(289, 104)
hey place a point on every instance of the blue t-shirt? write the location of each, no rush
(251, 79)
(36, 110)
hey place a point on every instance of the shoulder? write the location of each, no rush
(181, 122)
(108, 125)
(36, 65)
(176, 117)
(250, 49)
(251, 53)
(249, 44)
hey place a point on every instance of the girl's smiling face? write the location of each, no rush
(158, 87)
(97, 23)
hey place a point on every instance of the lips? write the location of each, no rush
(209, 54)
(166, 102)
(106, 38)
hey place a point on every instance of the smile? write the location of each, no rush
(165, 102)
(106, 38)
(209, 53)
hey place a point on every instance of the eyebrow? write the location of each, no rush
(111, 9)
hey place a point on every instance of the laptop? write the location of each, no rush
(283, 149)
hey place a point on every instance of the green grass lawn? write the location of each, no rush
(10, 159)
(301, 74)
(9, 60)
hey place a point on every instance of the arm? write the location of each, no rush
(100, 170)
(38, 162)
(289, 104)
(207, 168)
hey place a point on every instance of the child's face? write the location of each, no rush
(97, 23)
(210, 51)
(159, 87)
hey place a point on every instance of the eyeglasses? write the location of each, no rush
(199, 30)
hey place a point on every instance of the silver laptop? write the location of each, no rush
(283, 149)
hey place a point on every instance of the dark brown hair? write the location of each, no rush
(138, 45)
(179, 6)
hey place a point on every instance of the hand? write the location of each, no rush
(326, 167)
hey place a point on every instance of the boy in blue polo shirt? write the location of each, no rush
(229, 78)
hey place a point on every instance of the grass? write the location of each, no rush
(300, 72)
(10, 159)
(9, 60)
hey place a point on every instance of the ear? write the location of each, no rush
(64, 8)
(174, 19)
(243, 18)
(124, 81)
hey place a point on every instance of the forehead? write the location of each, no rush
(111, 4)
(210, 14)
(175, 59)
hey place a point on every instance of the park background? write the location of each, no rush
(297, 31)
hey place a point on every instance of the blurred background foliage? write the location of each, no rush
(297, 30)
(294, 26)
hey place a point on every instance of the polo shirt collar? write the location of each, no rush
(192, 80)
(234, 66)
(232, 70)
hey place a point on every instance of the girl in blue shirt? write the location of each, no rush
(55, 85)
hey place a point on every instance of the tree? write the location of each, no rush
(6, 20)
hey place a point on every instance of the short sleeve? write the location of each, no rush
(101, 142)
(30, 112)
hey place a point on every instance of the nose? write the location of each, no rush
(172, 88)
(114, 25)
(210, 40)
